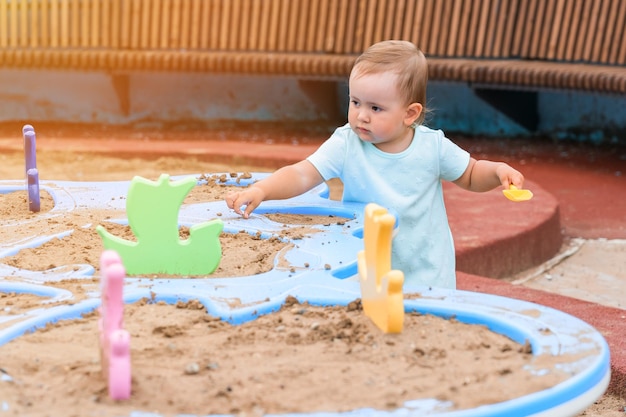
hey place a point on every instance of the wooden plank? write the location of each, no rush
(273, 29)
(13, 23)
(473, 29)
(398, 19)
(185, 24)
(73, 25)
(580, 32)
(224, 25)
(499, 47)
(618, 40)
(439, 28)
(331, 28)
(350, 27)
(255, 25)
(340, 25)
(292, 26)
(84, 23)
(283, 25)
(155, 23)
(456, 9)
(426, 25)
(592, 31)
(35, 20)
(389, 13)
(535, 40)
(509, 30)
(323, 31)
(54, 24)
(549, 18)
(246, 13)
(264, 24)
(354, 37)
(559, 24)
(310, 25)
(105, 16)
(5, 24)
(204, 24)
(165, 26)
(65, 23)
(467, 9)
(561, 37)
(407, 27)
(609, 28)
(361, 34)
(232, 25)
(529, 29)
(417, 24)
(45, 25)
(520, 29)
(175, 30)
(498, 14)
(372, 31)
(196, 24)
(94, 33)
(24, 29)
(125, 23)
(144, 36)
(115, 24)
(482, 28)
(600, 44)
(574, 28)
(304, 20)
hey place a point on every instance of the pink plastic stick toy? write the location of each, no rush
(30, 162)
(114, 340)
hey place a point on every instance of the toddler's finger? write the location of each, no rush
(237, 203)
(249, 209)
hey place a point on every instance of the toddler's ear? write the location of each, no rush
(413, 112)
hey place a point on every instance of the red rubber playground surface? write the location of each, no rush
(579, 192)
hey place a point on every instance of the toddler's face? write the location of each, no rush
(377, 113)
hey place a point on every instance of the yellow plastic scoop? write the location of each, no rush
(515, 194)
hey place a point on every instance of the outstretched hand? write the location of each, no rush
(484, 175)
(250, 198)
(287, 182)
(509, 175)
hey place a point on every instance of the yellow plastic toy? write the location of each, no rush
(381, 288)
(516, 194)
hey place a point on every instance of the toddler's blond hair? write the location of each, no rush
(402, 58)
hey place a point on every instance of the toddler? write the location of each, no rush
(384, 155)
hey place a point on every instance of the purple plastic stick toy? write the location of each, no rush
(114, 340)
(34, 202)
(30, 155)
(30, 162)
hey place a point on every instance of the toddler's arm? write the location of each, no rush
(287, 182)
(483, 175)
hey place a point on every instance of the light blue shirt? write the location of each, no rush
(409, 184)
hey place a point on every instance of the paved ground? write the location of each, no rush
(579, 202)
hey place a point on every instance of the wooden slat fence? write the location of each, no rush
(579, 44)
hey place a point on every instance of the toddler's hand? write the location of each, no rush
(509, 175)
(250, 197)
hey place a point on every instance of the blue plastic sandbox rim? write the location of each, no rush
(528, 405)
(588, 380)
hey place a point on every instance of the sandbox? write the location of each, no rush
(318, 270)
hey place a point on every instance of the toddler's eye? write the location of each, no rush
(354, 102)
(376, 109)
